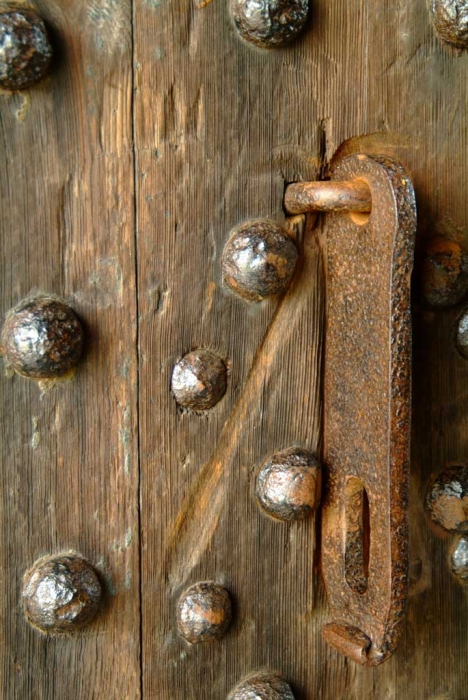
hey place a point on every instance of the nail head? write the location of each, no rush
(204, 613)
(25, 48)
(199, 380)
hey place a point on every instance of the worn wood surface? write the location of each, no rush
(106, 462)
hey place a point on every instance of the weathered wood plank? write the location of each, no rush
(69, 473)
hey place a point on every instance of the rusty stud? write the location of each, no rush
(269, 24)
(204, 613)
(199, 380)
(447, 500)
(61, 593)
(459, 559)
(461, 339)
(42, 338)
(25, 48)
(444, 273)
(262, 686)
(259, 260)
(288, 484)
(451, 21)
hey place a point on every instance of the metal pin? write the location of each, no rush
(303, 197)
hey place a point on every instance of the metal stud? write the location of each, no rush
(262, 686)
(259, 260)
(42, 338)
(25, 48)
(447, 500)
(204, 613)
(459, 559)
(269, 24)
(451, 21)
(61, 593)
(443, 273)
(288, 484)
(199, 380)
(461, 339)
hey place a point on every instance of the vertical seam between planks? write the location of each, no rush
(137, 343)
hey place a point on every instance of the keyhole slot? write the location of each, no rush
(357, 548)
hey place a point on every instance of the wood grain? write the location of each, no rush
(69, 469)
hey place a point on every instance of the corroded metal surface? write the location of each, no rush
(447, 499)
(61, 593)
(42, 338)
(204, 613)
(262, 686)
(459, 559)
(258, 260)
(269, 23)
(443, 273)
(302, 197)
(288, 484)
(199, 380)
(451, 21)
(25, 49)
(461, 337)
(367, 413)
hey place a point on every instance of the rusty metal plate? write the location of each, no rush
(367, 396)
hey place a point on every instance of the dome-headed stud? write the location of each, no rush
(459, 559)
(42, 338)
(262, 686)
(451, 21)
(443, 273)
(61, 593)
(25, 49)
(461, 338)
(204, 613)
(199, 380)
(447, 500)
(288, 484)
(258, 260)
(269, 23)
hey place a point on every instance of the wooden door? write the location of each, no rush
(121, 177)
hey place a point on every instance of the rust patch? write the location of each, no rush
(451, 21)
(444, 273)
(446, 500)
(25, 48)
(367, 411)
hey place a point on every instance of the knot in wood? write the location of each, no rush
(42, 338)
(262, 686)
(258, 260)
(25, 48)
(61, 593)
(288, 484)
(204, 613)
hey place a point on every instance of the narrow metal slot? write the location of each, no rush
(357, 536)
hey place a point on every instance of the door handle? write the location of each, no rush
(370, 234)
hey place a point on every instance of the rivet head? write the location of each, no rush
(262, 686)
(61, 593)
(288, 484)
(42, 338)
(199, 380)
(444, 273)
(451, 21)
(25, 49)
(269, 23)
(447, 499)
(258, 260)
(459, 559)
(204, 613)
(461, 338)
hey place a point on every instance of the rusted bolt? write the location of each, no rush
(303, 197)
(288, 484)
(199, 380)
(42, 338)
(447, 499)
(61, 593)
(443, 273)
(451, 21)
(258, 260)
(269, 23)
(204, 613)
(459, 559)
(461, 339)
(25, 49)
(262, 686)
